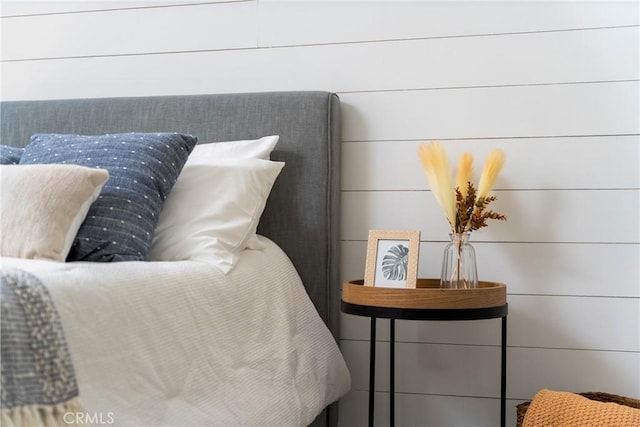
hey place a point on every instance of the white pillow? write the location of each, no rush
(255, 148)
(43, 206)
(213, 211)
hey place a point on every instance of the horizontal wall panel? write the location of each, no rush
(425, 410)
(287, 23)
(521, 59)
(575, 322)
(435, 369)
(558, 269)
(531, 268)
(577, 56)
(476, 332)
(532, 216)
(546, 163)
(569, 323)
(121, 32)
(233, 71)
(530, 370)
(458, 370)
(21, 7)
(125, 76)
(529, 111)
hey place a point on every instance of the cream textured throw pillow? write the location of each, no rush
(42, 207)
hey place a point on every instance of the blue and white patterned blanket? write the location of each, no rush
(37, 375)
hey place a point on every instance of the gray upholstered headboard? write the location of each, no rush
(302, 214)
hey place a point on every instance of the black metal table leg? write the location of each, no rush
(440, 314)
(503, 374)
(372, 370)
(392, 364)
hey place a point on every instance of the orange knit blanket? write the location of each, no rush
(562, 409)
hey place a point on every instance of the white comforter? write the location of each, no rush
(180, 344)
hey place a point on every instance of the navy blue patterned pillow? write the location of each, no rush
(10, 155)
(142, 170)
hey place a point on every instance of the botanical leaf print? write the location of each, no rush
(394, 263)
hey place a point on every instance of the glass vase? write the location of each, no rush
(459, 269)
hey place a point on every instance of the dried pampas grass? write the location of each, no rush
(436, 167)
(492, 167)
(465, 172)
(465, 208)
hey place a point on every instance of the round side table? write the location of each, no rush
(426, 302)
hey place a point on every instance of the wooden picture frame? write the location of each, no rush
(392, 258)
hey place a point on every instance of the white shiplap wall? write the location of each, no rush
(554, 84)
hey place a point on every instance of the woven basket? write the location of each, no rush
(597, 396)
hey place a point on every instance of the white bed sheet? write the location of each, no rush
(180, 344)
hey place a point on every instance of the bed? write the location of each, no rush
(181, 342)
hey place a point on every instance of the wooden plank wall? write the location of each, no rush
(555, 84)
